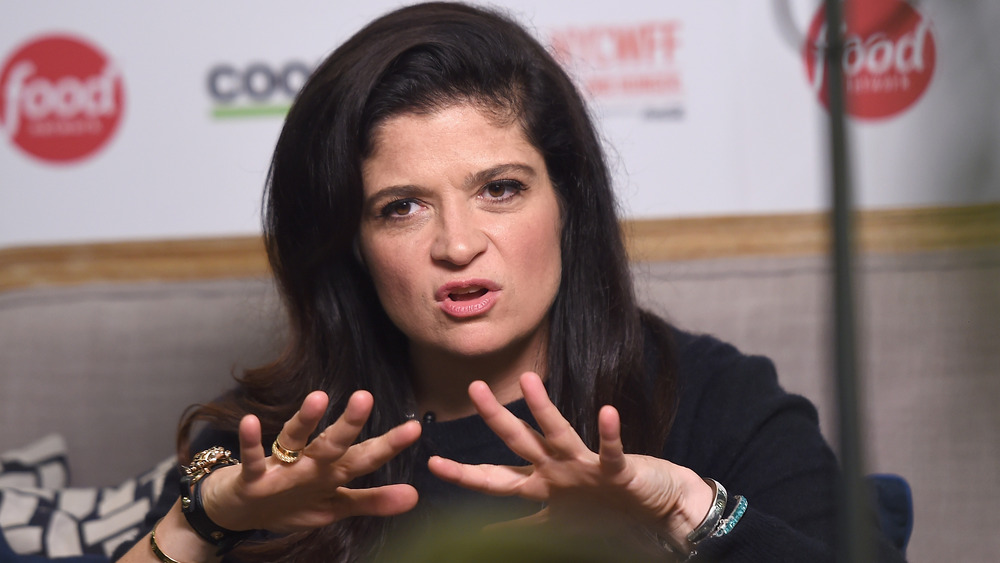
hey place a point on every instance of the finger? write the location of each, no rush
(338, 437)
(497, 480)
(519, 437)
(295, 433)
(252, 453)
(387, 500)
(373, 453)
(557, 430)
(609, 427)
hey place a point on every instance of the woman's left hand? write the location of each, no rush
(571, 479)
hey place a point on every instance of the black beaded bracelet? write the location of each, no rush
(204, 463)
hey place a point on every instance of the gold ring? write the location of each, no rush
(284, 454)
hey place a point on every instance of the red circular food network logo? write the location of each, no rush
(889, 56)
(60, 98)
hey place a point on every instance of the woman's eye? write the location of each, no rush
(401, 208)
(502, 189)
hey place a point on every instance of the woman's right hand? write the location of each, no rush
(266, 493)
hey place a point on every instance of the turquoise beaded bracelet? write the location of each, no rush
(727, 524)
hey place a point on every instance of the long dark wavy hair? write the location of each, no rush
(420, 59)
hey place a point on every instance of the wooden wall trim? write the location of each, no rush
(173, 260)
(893, 230)
(899, 230)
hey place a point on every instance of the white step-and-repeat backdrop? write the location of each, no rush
(137, 120)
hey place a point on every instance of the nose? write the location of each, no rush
(458, 238)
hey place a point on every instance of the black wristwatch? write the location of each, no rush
(204, 463)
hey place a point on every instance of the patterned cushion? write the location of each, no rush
(39, 519)
(41, 464)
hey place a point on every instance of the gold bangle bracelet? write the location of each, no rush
(156, 549)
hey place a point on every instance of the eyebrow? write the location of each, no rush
(475, 179)
(488, 174)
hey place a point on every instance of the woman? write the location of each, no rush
(442, 227)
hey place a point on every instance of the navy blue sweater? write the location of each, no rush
(734, 423)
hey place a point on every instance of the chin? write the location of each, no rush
(471, 350)
(483, 345)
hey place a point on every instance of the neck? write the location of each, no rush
(441, 380)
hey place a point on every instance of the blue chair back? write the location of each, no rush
(894, 502)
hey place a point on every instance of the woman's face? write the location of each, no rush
(460, 231)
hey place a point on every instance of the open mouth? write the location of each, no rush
(468, 295)
(470, 298)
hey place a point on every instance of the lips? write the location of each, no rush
(467, 295)
(467, 298)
